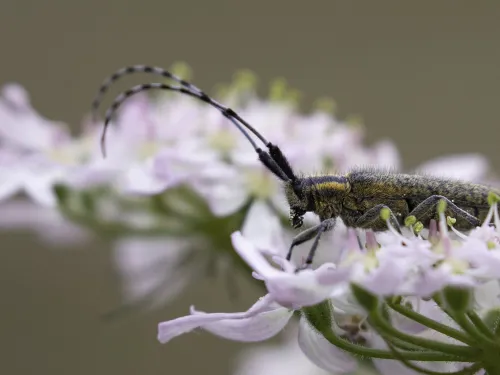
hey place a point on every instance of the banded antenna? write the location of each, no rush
(275, 161)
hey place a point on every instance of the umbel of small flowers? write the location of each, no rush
(177, 177)
(411, 304)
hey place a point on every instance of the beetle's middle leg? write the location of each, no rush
(427, 210)
(371, 219)
(314, 232)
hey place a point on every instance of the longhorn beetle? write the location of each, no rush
(357, 197)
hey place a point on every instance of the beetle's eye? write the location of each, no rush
(297, 189)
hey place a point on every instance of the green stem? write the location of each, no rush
(480, 325)
(465, 371)
(430, 323)
(492, 370)
(362, 351)
(482, 340)
(386, 329)
(402, 344)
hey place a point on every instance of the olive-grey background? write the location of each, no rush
(425, 74)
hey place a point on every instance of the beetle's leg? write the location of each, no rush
(314, 232)
(427, 210)
(371, 219)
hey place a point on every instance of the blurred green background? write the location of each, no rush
(425, 74)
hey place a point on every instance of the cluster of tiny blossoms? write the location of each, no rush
(398, 300)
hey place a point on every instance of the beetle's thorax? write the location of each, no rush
(322, 195)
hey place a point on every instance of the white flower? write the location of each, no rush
(287, 287)
(36, 152)
(24, 129)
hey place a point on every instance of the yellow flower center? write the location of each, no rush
(459, 266)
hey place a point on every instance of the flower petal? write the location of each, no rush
(223, 188)
(288, 288)
(173, 328)
(256, 328)
(252, 256)
(321, 352)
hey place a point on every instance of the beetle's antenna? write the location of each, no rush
(275, 161)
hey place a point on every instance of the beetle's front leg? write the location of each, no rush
(427, 210)
(314, 232)
(371, 219)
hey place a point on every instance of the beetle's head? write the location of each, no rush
(298, 200)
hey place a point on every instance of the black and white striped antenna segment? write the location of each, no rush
(275, 161)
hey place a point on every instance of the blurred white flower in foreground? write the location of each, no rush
(282, 358)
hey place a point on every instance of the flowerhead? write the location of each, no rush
(379, 301)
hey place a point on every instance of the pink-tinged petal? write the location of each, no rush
(472, 167)
(484, 263)
(322, 353)
(385, 279)
(173, 328)
(328, 274)
(259, 327)
(295, 290)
